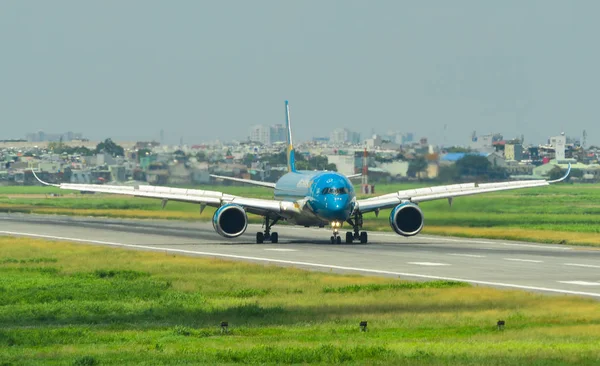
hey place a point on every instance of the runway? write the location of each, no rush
(534, 267)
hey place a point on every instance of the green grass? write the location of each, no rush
(372, 287)
(563, 209)
(66, 304)
(6, 190)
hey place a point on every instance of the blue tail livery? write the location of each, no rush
(291, 159)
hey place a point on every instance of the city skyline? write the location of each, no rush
(275, 134)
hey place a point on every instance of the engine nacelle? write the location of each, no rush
(230, 220)
(407, 219)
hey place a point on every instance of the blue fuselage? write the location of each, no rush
(329, 195)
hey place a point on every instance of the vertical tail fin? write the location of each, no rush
(291, 161)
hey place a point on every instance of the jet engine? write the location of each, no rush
(230, 220)
(406, 219)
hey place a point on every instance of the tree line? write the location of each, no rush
(107, 146)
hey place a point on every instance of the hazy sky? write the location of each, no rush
(204, 70)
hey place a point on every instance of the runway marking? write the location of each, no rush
(536, 246)
(581, 265)
(582, 283)
(282, 249)
(468, 255)
(429, 264)
(309, 264)
(465, 241)
(65, 238)
(462, 240)
(523, 260)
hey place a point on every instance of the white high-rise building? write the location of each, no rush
(559, 142)
(261, 133)
(268, 135)
(484, 143)
(344, 135)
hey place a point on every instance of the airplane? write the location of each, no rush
(309, 199)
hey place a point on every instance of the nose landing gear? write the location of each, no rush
(351, 236)
(335, 238)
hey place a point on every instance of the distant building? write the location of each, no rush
(118, 173)
(81, 176)
(513, 152)
(374, 142)
(397, 169)
(518, 169)
(278, 134)
(559, 143)
(179, 174)
(433, 170)
(320, 139)
(268, 135)
(145, 145)
(261, 133)
(399, 138)
(484, 143)
(343, 163)
(392, 136)
(41, 136)
(494, 158)
(344, 135)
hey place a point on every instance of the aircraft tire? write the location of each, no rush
(260, 238)
(349, 237)
(363, 237)
(274, 237)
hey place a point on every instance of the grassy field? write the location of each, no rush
(562, 213)
(70, 304)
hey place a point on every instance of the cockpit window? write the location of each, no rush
(335, 191)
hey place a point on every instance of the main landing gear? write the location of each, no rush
(268, 235)
(357, 224)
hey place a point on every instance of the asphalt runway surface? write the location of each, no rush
(555, 269)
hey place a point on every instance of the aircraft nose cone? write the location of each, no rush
(338, 207)
(337, 203)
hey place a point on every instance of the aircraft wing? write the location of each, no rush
(248, 181)
(448, 192)
(204, 198)
(351, 176)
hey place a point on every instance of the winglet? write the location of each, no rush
(41, 181)
(291, 159)
(562, 178)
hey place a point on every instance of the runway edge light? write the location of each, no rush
(224, 327)
(363, 325)
(500, 324)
